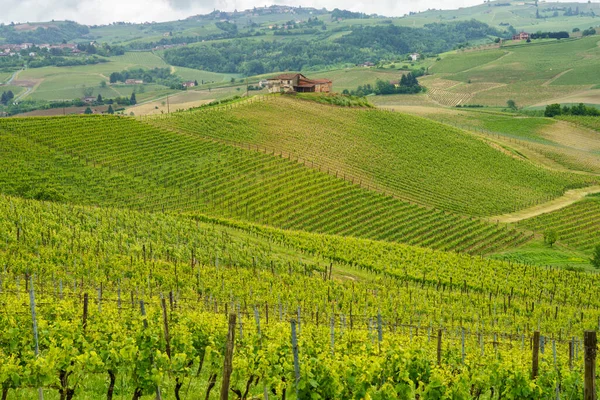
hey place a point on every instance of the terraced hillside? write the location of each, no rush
(409, 157)
(112, 161)
(577, 226)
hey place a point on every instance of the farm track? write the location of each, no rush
(549, 81)
(570, 197)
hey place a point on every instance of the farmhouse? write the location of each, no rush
(298, 83)
(188, 84)
(415, 56)
(134, 82)
(522, 36)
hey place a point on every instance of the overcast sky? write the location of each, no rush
(107, 11)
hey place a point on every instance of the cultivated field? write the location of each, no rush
(402, 155)
(532, 73)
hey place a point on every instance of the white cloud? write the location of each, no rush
(103, 11)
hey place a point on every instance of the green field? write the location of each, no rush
(66, 83)
(529, 73)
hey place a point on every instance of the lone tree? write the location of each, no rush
(133, 100)
(550, 237)
(511, 104)
(110, 109)
(88, 111)
(595, 260)
(99, 99)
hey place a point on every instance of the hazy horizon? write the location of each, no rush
(97, 12)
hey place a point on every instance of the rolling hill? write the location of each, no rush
(408, 157)
(121, 162)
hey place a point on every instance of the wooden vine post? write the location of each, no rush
(227, 365)
(439, 347)
(35, 329)
(85, 311)
(591, 343)
(535, 364)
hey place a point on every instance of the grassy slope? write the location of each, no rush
(410, 157)
(562, 145)
(122, 162)
(529, 73)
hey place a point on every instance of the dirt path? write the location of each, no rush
(549, 81)
(570, 197)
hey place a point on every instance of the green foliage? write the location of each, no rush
(550, 237)
(53, 34)
(580, 110)
(336, 100)
(88, 111)
(595, 260)
(233, 266)
(361, 45)
(512, 105)
(6, 97)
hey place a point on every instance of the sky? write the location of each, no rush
(95, 12)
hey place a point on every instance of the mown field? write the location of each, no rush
(405, 156)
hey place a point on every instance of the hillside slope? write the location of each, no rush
(409, 157)
(528, 73)
(121, 162)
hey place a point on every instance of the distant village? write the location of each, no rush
(7, 50)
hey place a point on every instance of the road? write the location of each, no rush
(570, 197)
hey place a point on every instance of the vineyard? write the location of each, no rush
(577, 225)
(403, 156)
(111, 161)
(281, 249)
(131, 304)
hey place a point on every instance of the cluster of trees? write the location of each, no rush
(6, 97)
(161, 76)
(432, 38)
(408, 84)
(553, 110)
(588, 32)
(345, 14)
(230, 28)
(550, 35)
(253, 57)
(56, 33)
(39, 62)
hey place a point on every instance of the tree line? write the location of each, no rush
(255, 57)
(553, 110)
(408, 84)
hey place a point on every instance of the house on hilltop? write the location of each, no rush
(522, 36)
(298, 83)
(189, 84)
